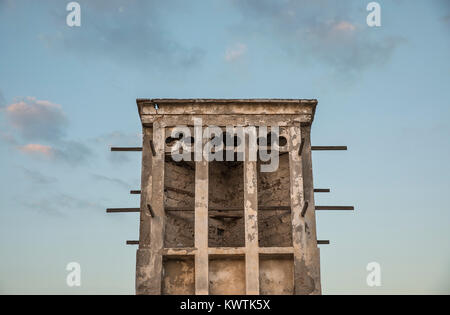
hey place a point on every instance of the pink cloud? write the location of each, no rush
(344, 26)
(235, 52)
(37, 149)
(34, 121)
(37, 119)
(31, 106)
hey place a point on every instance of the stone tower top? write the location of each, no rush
(303, 109)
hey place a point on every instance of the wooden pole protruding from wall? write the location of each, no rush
(351, 208)
(152, 147)
(329, 148)
(150, 210)
(122, 210)
(126, 149)
(302, 143)
(305, 208)
(313, 148)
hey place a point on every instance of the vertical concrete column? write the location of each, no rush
(251, 219)
(143, 253)
(201, 224)
(303, 283)
(157, 204)
(312, 250)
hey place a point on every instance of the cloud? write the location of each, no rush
(344, 26)
(235, 52)
(35, 149)
(60, 204)
(118, 138)
(333, 33)
(9, 138)
(70, 152)
(116, 181)
(37, 177)
(44, 207)
(125, 31)
(38, 129)
(66, 201)
(37, 119)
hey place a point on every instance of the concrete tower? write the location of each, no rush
(227, 227)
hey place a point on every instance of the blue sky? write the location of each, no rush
(67, 94)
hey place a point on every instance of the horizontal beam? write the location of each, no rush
(180, 251)
(262, 208)
(335, 208)
(276, 250)
(328, 148)
(317, 190)
(126, 149)
(216, 212)
(183, 251)
(228, 215)
(218, 251)
(221, 120)
(322, 190)
(313, 148)
(122, 210)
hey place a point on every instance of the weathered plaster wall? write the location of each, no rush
(226, 276)
(276, 275)
(274, 227)
(178, 277)
(179, 188)
(226, 190)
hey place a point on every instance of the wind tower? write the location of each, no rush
(226, 227)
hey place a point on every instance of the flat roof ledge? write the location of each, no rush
(226, 100)
(169, 106)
